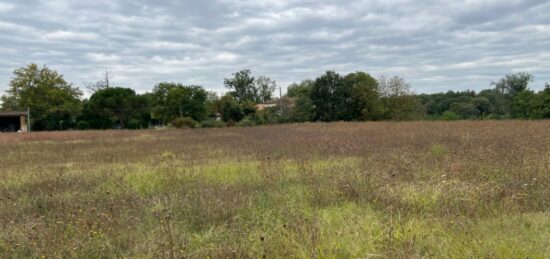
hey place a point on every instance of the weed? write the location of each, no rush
(474, 189)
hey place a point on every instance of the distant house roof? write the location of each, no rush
(12, 114)
(263, 106)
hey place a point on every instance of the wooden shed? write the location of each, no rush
(14, 122)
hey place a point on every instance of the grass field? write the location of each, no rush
(342, 190)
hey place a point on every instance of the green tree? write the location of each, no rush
(398, 100)
(331, 98)
(543, 103)
(174, 100)
(114, 105)
(524, 105)
(465, 110)
(302, 89)
(264, 88)
(533, 106)
(303, 110)
(297, 105)
(245, 88)
(449, 116)
(483, 105)
(230, 109)
(54, 103)
(212, 104)
(142, 115)
(242, 86)
(437, 104)
(365, 103)
(94, 118)
(500, 102)
(513, 84)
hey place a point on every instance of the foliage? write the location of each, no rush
(302, 89)
(331, 98)
(231, 123)
(135, 124)
(530, 105)
(213, 104)
(248, 108)
(522, 105)
(116, 105)
(297, 106)
(242, 86)
(465, 110)
(542, 101)
(230, 109)
(365, 98)
(483, 106)
(245, 88)
(304, 110)
(172, 100)
(450, 116)
(513, 84)
(247, 121)
(511, 98)
(500, 102)
(186, 122)
(96, 119)
(398, 100)
(83, 125)
(265, 87)
(54, 103)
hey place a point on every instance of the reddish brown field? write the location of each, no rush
(411, 189)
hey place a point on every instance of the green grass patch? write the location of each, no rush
(438, 150)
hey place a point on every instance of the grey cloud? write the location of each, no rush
(437, 45)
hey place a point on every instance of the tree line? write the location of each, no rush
(56, 104)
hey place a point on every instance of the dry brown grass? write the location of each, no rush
(411, 189)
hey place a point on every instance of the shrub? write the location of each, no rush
(450, 116)
(83, 125)
(181, 123)
(133, 124)
(212, 123)
(259, 118)
(231, 123)
(248, 121)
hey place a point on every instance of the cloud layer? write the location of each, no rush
(435, 45)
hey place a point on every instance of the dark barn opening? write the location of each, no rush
(13, 121)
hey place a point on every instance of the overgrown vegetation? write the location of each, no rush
(56, 105)
(474, 189)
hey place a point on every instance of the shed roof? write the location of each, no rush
(12, 114)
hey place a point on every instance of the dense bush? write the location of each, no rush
(231, 123)
(449, 116)
(83, 125)
(134, 124)
(186, 122)
(247, 121)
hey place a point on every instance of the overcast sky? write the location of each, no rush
(435, 45)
